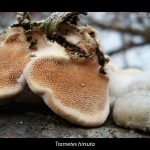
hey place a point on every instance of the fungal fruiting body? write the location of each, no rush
(118, 80)
(15, 54)
(14, 57)
(61, 62)
(72, 87)
(129, 96)
(132, 109)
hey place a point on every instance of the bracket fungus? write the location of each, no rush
(132, 109)
(118, 80)
(73, 89)
(15, 54)
(14, 57)
(63, 63)
(129, 96)
(68, 77)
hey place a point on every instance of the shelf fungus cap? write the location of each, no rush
(73, 89)
(67, 77)
(132, 109)
(15, 54)
(13, 59)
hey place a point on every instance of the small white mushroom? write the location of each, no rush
(132, 109)
(118, 80)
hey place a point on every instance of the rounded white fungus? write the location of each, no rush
(132, 109)
(118, 80)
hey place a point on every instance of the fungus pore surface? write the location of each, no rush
(68, 78)
(66, 67)
(13, 57)
(73, 89)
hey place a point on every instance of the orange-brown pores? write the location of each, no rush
(13, 59)
(73, 89)
(67, 76)
(15, 54)
(66, 68)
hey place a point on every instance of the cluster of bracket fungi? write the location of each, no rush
(64, 64)
(59, 61)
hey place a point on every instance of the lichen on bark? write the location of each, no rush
(24, 20)
(52, 23)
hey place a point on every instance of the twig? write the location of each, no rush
(125, 47)
(145, 33)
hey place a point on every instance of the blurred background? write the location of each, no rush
(125, 36)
